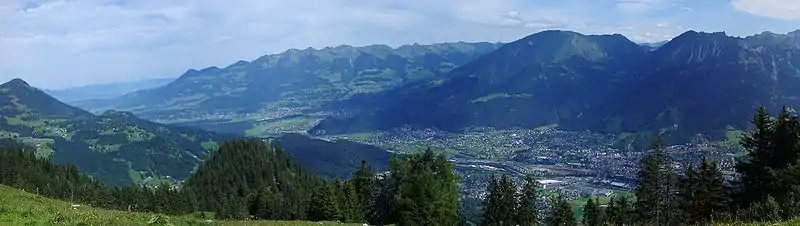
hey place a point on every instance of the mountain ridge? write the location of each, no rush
(640, 90)
(115, 147)
(305, 80)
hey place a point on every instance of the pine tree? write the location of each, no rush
(619, 211)
(785, 140)
(592, 215)
(508, 201)
(427, 191)
(492, 213)
(500, 202)
(561, 212)
(656, 194)
(527, 211)
(612, 213)
(324, 204)
(690, 190)
(713, 194)
(364, 182)
(756, 180)
(349, 203)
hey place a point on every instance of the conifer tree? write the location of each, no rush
(619, 211)
(349, 203)
(364, 182)
(756, 179)
(592, 214)
(508, 201)
(527, 211)
(561, 212)
(427, 191)
(492, 213)
(656, 200)
(324, 204)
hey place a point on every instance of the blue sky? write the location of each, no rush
(65, 43)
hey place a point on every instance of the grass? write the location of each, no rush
(733, 136)
(282, 125)
(21, 208)
(210, 145)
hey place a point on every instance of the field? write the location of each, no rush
(21, 208)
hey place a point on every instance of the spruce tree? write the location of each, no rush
(656, 194)
(508, 201)
(561, 212)
(592, 215)
(349, 203)
(491, 204)
(755, 177)
(364, 182)
(427, 191)
(713, 195)
(527, 211)
(324, 204)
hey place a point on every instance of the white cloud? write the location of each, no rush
(779, 9)
(59, 43)
(641, 6)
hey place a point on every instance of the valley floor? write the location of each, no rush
(21, 208)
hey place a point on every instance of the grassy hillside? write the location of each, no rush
(21, 208)
(116, 148)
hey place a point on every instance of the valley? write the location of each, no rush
(581, 163)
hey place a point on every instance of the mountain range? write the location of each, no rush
(697, 83)
(295, 80)
(118, 148)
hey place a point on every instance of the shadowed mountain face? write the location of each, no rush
(696, 83)
(296, 79)
(334, 159)
(115, 147)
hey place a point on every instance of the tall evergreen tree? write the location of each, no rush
(427, 191)
(561, 212)
(703, 194)
(364, 182)
(528, 211)
(592, 214)
(756, 179)
(349, 203)
(492, 214)
(324, 204)
(500, 203)
(619, 211)
(656, 200)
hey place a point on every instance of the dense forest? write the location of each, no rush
(251, 179)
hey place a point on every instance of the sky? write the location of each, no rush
(66, 43)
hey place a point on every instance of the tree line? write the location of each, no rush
(250, 179)
(765, 189)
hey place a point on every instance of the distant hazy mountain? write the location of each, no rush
(306, 79)
(653, 45)
(698, 83)
(115, 147)
(105, 91)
